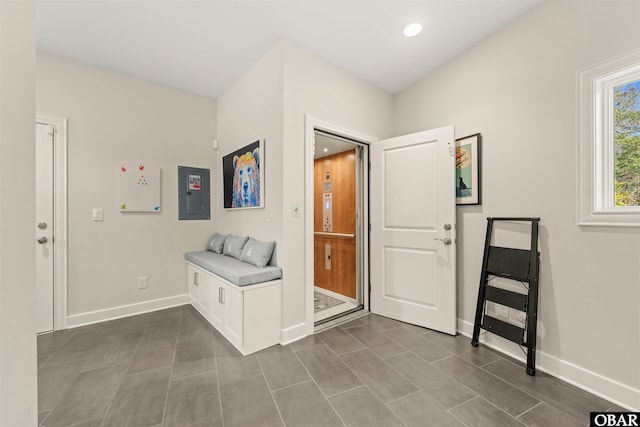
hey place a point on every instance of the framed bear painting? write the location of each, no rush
(243, 177)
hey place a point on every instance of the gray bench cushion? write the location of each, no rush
(235, 271)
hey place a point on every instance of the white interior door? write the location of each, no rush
(44, 227)
(413, 254)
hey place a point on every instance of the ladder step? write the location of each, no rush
(504, 329)
(509, 262)
(507, 298)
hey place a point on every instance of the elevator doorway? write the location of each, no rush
(340, 180)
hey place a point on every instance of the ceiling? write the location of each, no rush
(202, 46)
(327, 145)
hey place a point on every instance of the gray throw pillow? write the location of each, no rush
(257, 253)
(216, 243)
(233, 245)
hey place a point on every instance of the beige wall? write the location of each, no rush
(18, 387)
(113, 118)
(251, 109)
(270, 101)
(317, 88)
(518, 88)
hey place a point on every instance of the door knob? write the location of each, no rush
(446, 240)
(42, 225)
(447, 226)
(42, 240)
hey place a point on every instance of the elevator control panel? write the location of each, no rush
(327, 212)
(327, 257)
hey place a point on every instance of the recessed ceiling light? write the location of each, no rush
(326, 149)
(412, 30)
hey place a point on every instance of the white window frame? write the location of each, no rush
(596, 180)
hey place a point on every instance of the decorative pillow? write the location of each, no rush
(216, 243)
(233, 245)
(257, 253)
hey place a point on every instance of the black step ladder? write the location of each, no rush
(516, 264)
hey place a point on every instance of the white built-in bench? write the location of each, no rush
(237, 291)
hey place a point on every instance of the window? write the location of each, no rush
(609, 143)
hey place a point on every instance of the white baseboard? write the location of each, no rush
(112, 313)
(606, 388)
(293, 333)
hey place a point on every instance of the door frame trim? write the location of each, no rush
(60, 215)
(311, 125)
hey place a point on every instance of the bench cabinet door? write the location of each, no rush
(216, 302)
(234, 313)
(194, 278)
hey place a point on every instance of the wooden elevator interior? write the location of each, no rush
(335, 176)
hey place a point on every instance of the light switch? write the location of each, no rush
(295, 210)
(96, 214)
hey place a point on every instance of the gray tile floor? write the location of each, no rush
(170, 368)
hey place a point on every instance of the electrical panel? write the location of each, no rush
(194, 193)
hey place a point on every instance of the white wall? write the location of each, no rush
(319, 89)
(518, 88)
(270, 101)
(251, 109)
(18, 383)
(113, 118)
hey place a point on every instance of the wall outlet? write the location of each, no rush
(97, 214)
(142, 282)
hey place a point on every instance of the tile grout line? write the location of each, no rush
(71, 385)
(460, 404)
(215, 354)
(319, 389)
(419, 336)
(288, 386)
(457, 418)
(476, 367)
(495, 406)
(465, 402)
(364, 384)
(530, 409)
(426, 394)
(512, 385)
(273, 398)
(418, 391)
(332, 350)
(352, 351)
(383, 360)
(548, 402)
(104, 418)
(173, 360)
